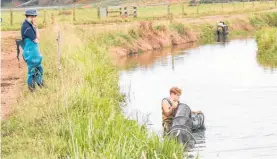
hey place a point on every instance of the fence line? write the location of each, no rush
(80, 14)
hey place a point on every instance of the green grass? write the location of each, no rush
(264, 20)
(267, 47)
(78, 114)
(178, 27)
(266, 38)
(203, 9)
(207, 33)
(89, 15)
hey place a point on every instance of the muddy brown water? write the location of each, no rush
(236, 94)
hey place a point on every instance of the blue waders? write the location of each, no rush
(33, 59)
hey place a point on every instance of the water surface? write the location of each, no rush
(236, 94)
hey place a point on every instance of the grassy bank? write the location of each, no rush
(149, 37)
(90, 16)
(267, 46)
(78, 115)
(266, 38)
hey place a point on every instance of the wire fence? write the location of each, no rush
(89, 14)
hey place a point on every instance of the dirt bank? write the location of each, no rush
(147, 36)
(12, 76)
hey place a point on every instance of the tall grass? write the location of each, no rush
(78, 114)
(178, 27)
(266, 38)
(267, 46)
(264, 20)
(207, 33)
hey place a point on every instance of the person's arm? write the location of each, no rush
(168, 110)
(37, 36)
(37, 33)
(29, 33)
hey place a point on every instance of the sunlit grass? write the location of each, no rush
(78, 114)
(89, 15)
(267, 47)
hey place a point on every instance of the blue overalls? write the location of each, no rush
(31, 55)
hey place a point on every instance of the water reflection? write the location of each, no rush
(236, 94)
(146, 59)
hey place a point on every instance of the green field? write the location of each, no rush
(89, 15)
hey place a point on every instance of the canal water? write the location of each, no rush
(237, 95)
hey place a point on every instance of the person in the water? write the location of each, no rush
(31, 53)
(169, 105)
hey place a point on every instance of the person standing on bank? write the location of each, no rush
(31, 54)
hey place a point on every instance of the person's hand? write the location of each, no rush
(197, 112)
(34, 22)
(175, 105)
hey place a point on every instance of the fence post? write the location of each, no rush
(74, 15)
(98, 12)
(107, 11)
(59, 10)
(59, 51)
(135, 12)
(11, 12)
(125, 12)
(121, 12)
(52, 18)
(44, 17)
(171, 18)
(183, 9)
(222, 7)
(168, 10)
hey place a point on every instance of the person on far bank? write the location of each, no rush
(169, 106)
(30, 45)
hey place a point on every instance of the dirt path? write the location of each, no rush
(12, 77)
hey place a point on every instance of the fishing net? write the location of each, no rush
(198, 122)
(184, 124)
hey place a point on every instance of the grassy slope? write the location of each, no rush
(78, 114)
(267, 46)
(266, 39)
